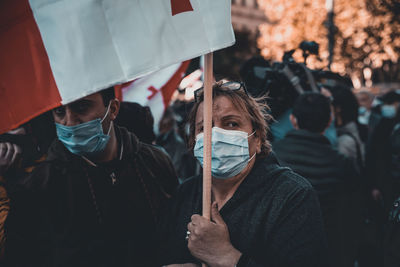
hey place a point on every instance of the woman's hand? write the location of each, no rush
(209, 240)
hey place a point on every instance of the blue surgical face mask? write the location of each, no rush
(363, 115)
(362, 110)
(230, 152)
(388, 111)
(85, 139)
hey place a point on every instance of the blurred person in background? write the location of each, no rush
(392, 230)
(334, 177)
(21, 151)
(181, 108)
(169, 139)
(346, 119)
(350, 144)
(384, 117)
(381, 195)
(138, 120)
(9, 154)
(365, 100)
(31, 140)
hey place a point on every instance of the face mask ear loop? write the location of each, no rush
(252, 156)
(109, 128)
(251, 134)
(108, 109)
(111, 123)
(254, 152)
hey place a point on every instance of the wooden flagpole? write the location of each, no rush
(207, 126)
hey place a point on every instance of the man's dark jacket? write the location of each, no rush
(70, 213)
(334, 177)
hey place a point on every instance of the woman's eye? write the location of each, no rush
(232, 124)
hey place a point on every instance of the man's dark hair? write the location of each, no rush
(107, 94)
(344, 99)
(312, 111)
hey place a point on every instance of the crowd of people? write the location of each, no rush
(91, 184)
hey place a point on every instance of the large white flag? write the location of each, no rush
(57, 51)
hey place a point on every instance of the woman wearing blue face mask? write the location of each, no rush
(262, 214)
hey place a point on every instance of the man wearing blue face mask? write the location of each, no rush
(95, 200)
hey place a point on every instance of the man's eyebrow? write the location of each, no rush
(81, 101)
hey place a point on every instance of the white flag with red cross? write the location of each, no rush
(54, 52)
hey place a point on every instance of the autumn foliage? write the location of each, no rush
(367, 32)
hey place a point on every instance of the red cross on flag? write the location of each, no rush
(53, 52)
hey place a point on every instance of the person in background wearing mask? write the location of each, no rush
(365, 100)
(185, 164)
(261, 214)
(378, 155)
(384, 116)
(95, 200)
(392, 229)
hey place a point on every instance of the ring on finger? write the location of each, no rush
(187, 235)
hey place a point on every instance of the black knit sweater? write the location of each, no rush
(273, 219)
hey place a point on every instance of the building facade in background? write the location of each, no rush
(247, 16)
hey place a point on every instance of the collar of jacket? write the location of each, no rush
(263, 174)
(58, 152)
(307, 135)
